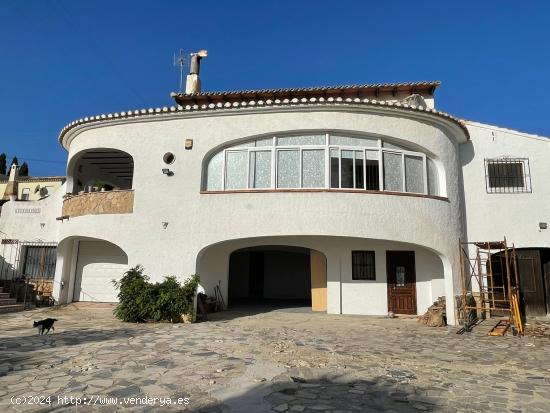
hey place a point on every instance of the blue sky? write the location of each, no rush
(63, 60)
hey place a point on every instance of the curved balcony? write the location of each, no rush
(97, 203)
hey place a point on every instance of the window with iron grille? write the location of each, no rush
(40, 261)
(507, 175)
(362, 265)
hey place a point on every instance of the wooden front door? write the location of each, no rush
(531, 285)
(318, 281)
(401, 272)
(546, 270)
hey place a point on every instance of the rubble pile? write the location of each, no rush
(435, 316)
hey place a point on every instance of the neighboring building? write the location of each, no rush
(28, 188)
(353, 198)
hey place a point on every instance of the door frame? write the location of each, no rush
(388, 285)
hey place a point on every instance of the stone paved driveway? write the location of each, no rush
(276, 361)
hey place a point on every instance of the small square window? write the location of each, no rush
(363, 265)
(25, 194)
(507, 175)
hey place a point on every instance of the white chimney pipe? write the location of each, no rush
(193, 81)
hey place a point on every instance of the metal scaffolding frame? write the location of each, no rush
(484, 291)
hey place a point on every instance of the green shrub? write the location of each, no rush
(140, 300)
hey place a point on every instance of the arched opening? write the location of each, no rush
(100, 169)
(89, 267)
(347, 275)
(275, 276)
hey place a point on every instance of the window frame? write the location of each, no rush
(327, 147)
(367, 267)
(25, 196)
(505, 189)
(39, 259)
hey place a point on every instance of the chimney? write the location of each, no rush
(11, 187)
(193, 82)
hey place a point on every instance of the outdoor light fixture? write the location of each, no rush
(543, 225)
(164, 225)
(167, 172)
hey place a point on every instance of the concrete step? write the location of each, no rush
(7, 301)
(4, 295)
(11, 308)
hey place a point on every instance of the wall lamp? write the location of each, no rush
(167, 172)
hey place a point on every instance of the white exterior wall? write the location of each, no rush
(23, 219)
(197, 220)
(344, 295)
(516, 216)
(213, 225)
(27, 221)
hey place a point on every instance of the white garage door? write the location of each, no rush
(99, 262)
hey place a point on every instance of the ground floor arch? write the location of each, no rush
(278, 275)
(363, 276)
(88, 268)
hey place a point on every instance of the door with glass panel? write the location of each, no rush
(401, 273)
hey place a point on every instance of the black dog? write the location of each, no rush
(44, 325)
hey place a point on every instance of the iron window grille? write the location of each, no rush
(507, 175)
(39, 260)
(363, 265)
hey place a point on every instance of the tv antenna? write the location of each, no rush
(180, 61)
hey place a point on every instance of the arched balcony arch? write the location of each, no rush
(100, 168)
(321, 160)
(99, 181)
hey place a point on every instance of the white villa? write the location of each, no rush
(352, 199)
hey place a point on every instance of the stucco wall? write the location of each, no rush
(357, 296)
(491, 216)
(196, 220)
(32, 220)
(32, 186)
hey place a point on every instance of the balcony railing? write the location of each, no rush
(96, 203)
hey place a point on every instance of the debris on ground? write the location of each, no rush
(435, 315)
(537, 330)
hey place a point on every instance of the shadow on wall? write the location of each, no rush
(7, 270)
(467, 153)
(330, 392)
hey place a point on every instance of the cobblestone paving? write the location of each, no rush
(277, 361)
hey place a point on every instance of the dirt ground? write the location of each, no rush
(281, 360)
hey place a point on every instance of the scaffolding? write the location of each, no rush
(490, 285)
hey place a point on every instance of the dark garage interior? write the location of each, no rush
(277, 276)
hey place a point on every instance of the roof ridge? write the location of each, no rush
(259, 103)
(432, 83)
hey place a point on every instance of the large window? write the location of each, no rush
(507, 175)
(321, 161)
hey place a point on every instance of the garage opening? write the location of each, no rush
(98, 264)
(533, 265)
(277, 277)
